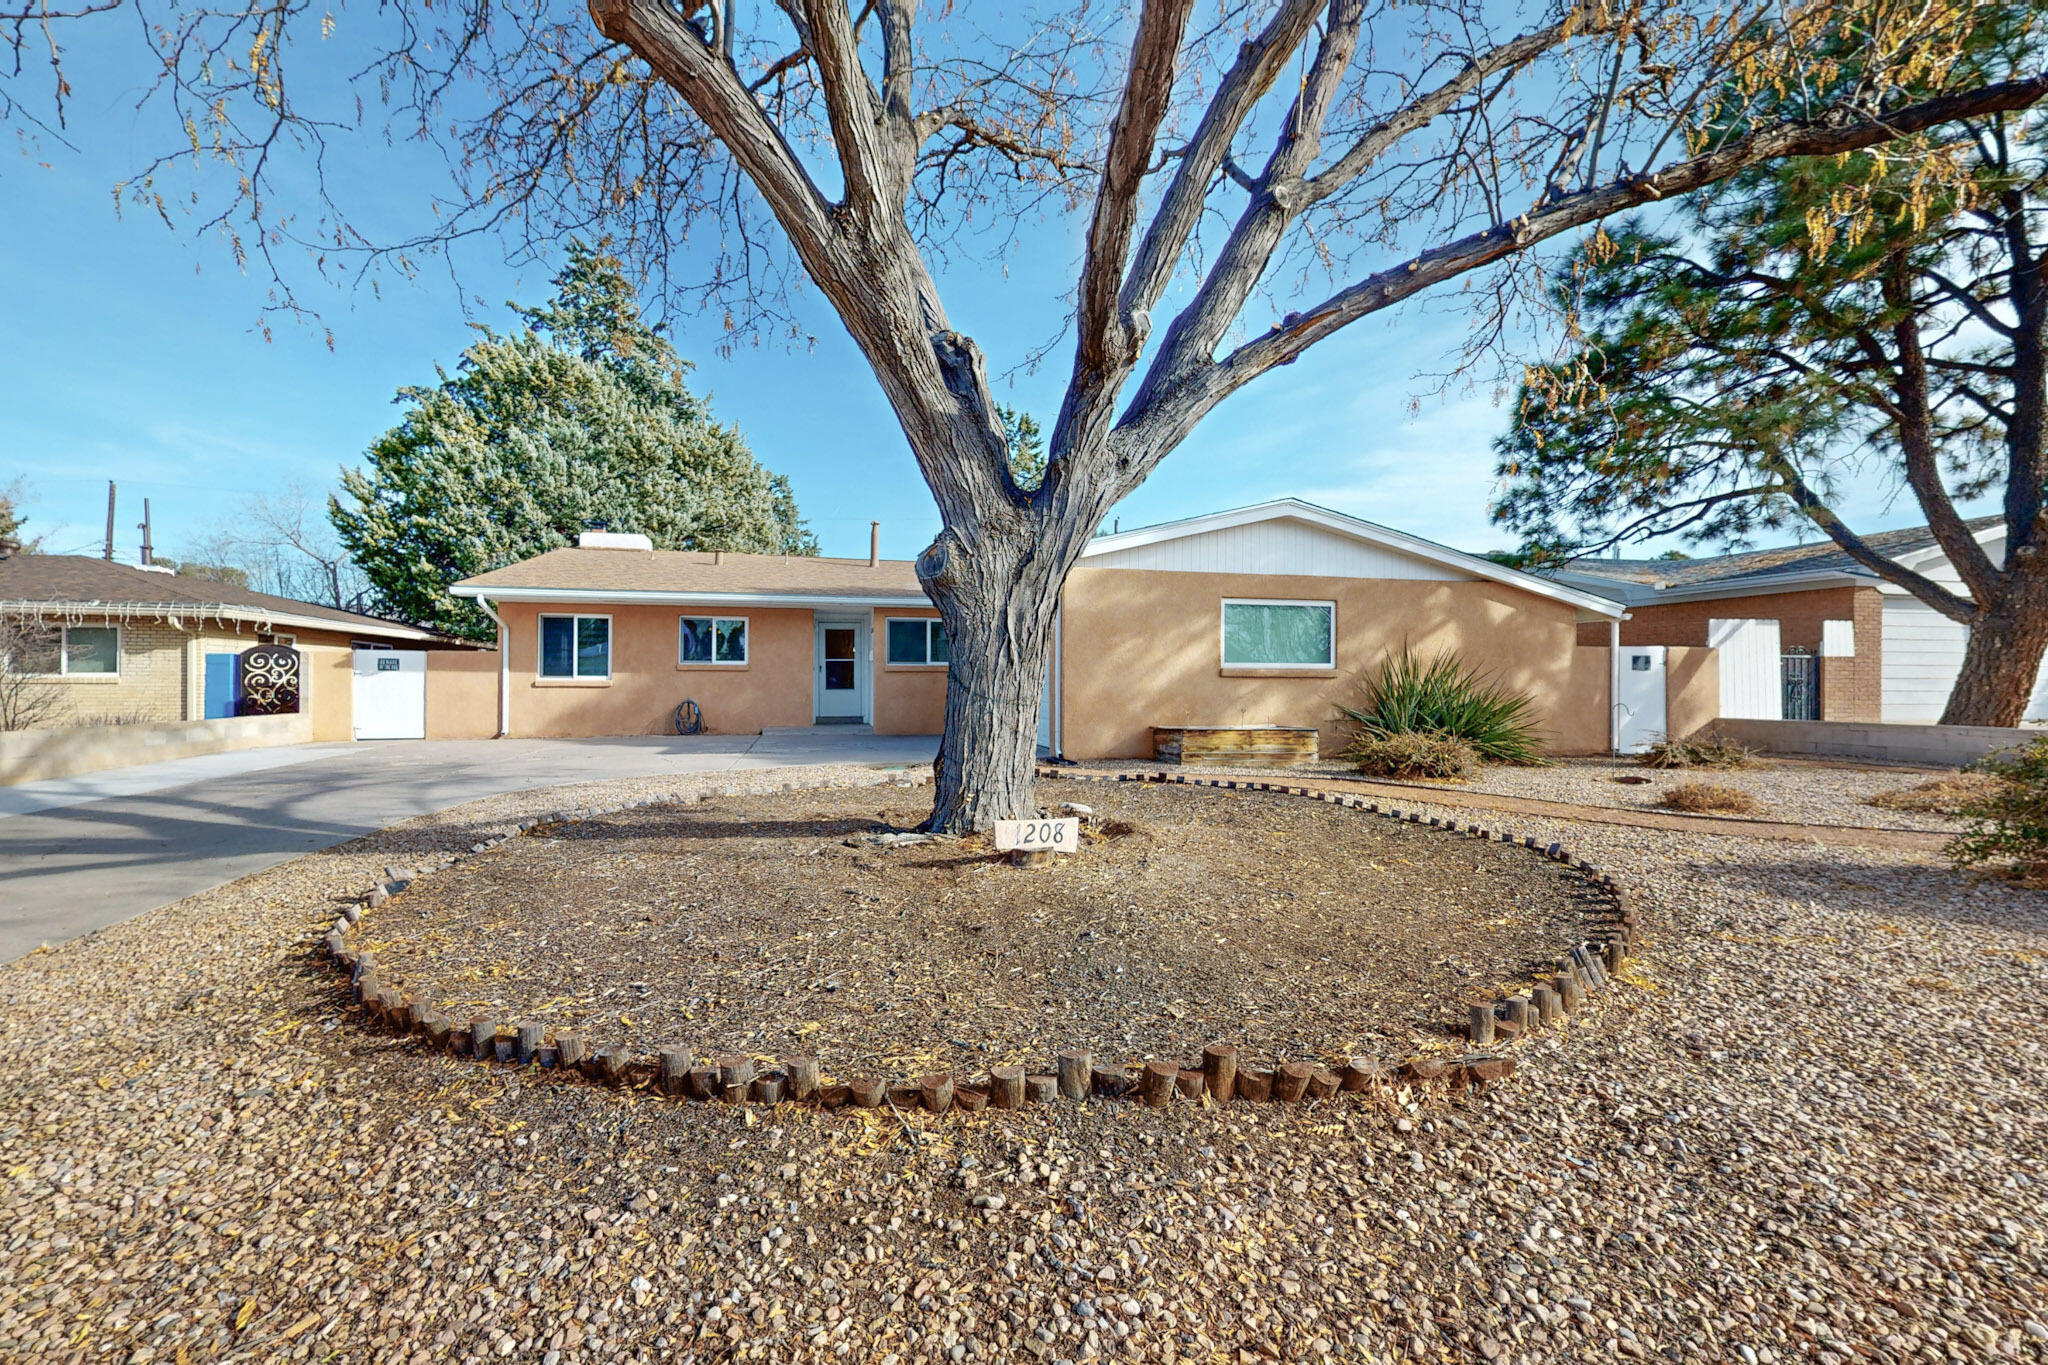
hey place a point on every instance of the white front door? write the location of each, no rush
(1639, 698)
(390, 694)
(841, 691)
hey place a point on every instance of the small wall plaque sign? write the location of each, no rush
(1038, 836)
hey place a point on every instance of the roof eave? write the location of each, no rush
(668, 598)
(1358, 529)
(222, 611)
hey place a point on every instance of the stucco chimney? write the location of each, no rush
(874, 543)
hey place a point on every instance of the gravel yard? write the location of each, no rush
(1812, 1130)
(1786, 790)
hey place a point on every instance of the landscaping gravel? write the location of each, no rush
(1786, 790)
(1810, 1127)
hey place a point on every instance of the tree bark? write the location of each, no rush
(2007, 643)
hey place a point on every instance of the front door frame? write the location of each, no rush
(863, 690)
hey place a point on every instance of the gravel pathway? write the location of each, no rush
(1812, 1129)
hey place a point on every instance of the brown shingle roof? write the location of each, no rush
(1821, 556)
(692, 571)
(80, 581)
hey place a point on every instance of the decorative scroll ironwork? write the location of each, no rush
(270, 680)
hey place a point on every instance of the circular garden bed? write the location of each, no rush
(791, 924)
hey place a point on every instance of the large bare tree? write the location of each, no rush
(1250, 181)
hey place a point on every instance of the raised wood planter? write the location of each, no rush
(1234, 746)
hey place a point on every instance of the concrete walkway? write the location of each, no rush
(79, 854)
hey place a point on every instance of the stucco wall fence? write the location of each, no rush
(33, 755)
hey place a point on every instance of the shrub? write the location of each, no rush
(1704, 752)
(1950, 795)
(1412, 755)
(1444, 697)
(2009, 820)
(1701, 797)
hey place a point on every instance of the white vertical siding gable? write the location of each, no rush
(1277, 546)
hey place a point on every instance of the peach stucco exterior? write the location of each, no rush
(1140, 648)
(773, 688)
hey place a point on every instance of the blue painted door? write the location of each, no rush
(220, 686)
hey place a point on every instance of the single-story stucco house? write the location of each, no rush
(1804, 632)
(1262, 615)
(113, 642)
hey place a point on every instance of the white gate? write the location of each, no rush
(1752, 678)
(1639, 698)
(390, 694)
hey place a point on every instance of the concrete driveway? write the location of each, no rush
(82, 853)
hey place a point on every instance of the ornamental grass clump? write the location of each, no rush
(1701, 798)
(1446, 698)
(2008, 821)
(1425, 756)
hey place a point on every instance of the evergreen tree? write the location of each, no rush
(580, 416)
(1810, 328)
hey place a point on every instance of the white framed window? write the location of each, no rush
(76, 652)
(1276, 633)
(575, 646)
(914, 640)
(711, 640)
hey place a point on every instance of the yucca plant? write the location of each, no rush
(1444, 696)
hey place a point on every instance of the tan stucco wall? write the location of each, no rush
(1582, 724)
(772, 688)
(327, 689)
(908, 700)
(1143, 648)
(1692, 688)
(462, 694)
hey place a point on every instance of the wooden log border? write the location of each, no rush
(1218, 1075)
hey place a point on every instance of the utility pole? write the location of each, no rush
(148, 551)
(109, 553)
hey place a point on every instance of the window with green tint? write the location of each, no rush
(1280, 634)
(920, 640)
(712, 640)
(575, 647)
(92, 649)
(593, 647)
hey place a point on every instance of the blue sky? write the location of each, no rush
(135, 353)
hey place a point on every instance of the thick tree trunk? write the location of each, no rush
(2003, 657)
(998, 613)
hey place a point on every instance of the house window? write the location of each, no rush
(917, 640)
(69, 651)
(1268, 634)
(712, 640)
(576, 646)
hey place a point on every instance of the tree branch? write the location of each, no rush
(1108, 340)
(1161, 417)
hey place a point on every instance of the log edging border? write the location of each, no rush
(1587, 967)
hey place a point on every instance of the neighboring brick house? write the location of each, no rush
(115, 643)
(1882, 654)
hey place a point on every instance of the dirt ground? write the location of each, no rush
(1808, 1130)
(769, 924)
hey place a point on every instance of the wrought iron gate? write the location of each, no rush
(270, 681)
(1801, 675)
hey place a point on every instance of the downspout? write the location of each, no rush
(1614, 685)
(504, 671)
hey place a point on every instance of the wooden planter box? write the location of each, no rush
(1234, 746)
